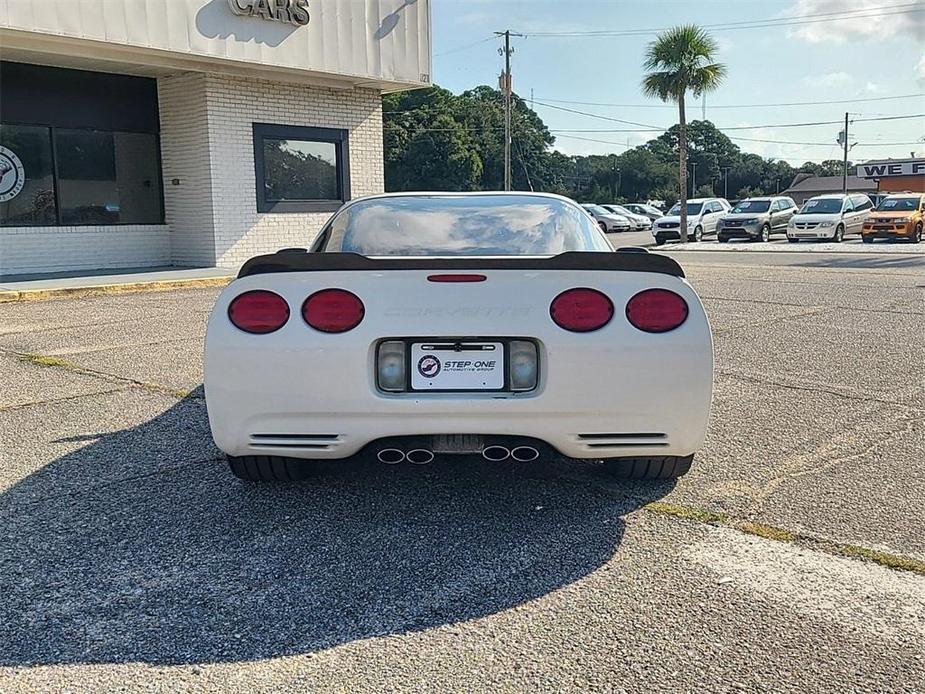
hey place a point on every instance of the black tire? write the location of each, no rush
(698, 234)
(659, 241)
(667, 467)
(765, 233)
(793, 240)
(839, 234)
(722, 239)
(270, 468)
(602, 226)
(867, 239)
(917, 234)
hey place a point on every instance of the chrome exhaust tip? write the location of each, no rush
(496, 453)
(524, 454)
(390, 456)
(419, 456)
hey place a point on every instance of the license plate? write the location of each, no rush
(457, 365)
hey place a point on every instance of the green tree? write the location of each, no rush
(680, 60)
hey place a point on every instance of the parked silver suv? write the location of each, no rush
(756, 219)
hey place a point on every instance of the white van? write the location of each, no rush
(829, 217)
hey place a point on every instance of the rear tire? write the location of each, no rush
(659, 468)
(270, 468)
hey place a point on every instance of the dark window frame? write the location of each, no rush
(338, 137)
(54, 177)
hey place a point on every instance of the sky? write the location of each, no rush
(830, 50)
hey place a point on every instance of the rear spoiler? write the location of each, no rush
(298, 260)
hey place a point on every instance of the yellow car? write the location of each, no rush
(898, 216)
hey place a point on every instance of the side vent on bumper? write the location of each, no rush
(315, 442)
(624, 440)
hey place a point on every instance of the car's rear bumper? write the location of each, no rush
(300, 393)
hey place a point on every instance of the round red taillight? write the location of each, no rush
(656, 311)
(333, 310)
(258, 311)
(581, 310)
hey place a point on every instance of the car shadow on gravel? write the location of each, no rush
(167, 561)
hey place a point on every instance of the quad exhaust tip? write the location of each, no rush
(419, 456)
(496, 453)
(524, 454)
(391, 456)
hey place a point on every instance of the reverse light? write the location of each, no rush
(522, 365)
(581, 310)
(333, 310)
(258, 312)
(656, 311)
(390, 366)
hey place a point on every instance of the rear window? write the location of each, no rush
(462, 225)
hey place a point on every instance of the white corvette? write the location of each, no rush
(494, 324)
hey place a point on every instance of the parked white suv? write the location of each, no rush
(829, 217)
(703, 214)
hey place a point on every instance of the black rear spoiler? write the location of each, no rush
(297, 260)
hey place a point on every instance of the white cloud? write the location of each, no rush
(873, 25)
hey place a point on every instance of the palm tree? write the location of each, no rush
(682, 60)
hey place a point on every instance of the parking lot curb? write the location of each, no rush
(9, 296)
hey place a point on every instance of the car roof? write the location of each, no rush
(832, 196)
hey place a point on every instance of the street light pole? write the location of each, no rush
(726, 181)
(693, 179)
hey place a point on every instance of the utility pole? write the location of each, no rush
(844, 176)
(506, 89)
(726, 181)
(693, 179)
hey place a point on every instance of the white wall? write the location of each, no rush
(185, 157)
(52, 249)
(234, 105)
(385, 41)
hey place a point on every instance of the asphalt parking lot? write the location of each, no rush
(792, 558)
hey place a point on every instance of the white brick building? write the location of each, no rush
(136, 133)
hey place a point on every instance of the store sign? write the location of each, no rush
(885, 169)
(293, 12)
(12, 175)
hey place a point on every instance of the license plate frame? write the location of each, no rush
(467, 366)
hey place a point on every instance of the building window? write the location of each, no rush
(85, 145)
(300, 169)
(27, 182)
(107, 178)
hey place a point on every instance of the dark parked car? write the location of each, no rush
(756, 219)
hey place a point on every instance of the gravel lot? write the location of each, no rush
(130, 560)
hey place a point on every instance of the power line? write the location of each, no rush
(793, 20)
(464, 47)
(712, 106)
(655, 128)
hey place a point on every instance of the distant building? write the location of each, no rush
(138, 133)
(805, 186)
(896, 175)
